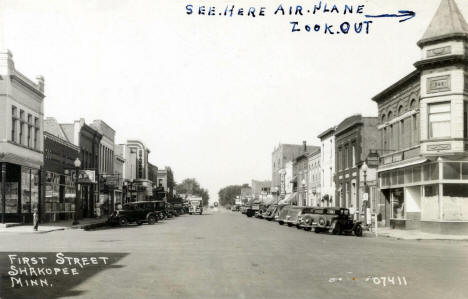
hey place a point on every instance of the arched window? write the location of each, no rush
(413, 104)
(400, 110)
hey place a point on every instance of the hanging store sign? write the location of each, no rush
(85, 176)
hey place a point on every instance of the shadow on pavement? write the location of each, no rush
(51, 274)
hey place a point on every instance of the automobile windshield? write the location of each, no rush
(332, 212)
(195, 203)
(129, 207)
(318, 211)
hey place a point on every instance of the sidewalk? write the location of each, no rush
(54, 226)
(413, 235)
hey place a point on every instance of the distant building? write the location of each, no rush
(246, 193)
(108, 180)
(119, 162)
(314, 179)
(281, 155)
(137, 183)
(423, 125)
(356, 141)
(260, 188)
(327, 166)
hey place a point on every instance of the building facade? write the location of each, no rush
(137, 184)
(281, 155)
(260, 189)
(58, 182)
(108, 181)
(356, 142)
(301, 179)
(88, 140)
(119, 162)
(327, 165)
(314, 179)
(423, 125)
(21, 141)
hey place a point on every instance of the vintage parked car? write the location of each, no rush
(336, 221)
(252, 208)
(307, 218)
(279, 212)
(294, 213)
(243, 209)
(294, 218)
(270, 213)
(284, 213)
(138, 212)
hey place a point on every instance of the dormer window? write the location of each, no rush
(439, 120)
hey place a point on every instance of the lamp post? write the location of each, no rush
(77, 165)
(364, 169)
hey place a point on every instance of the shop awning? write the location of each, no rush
(401, 164)
(289, 199)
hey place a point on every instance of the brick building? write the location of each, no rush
(356, 142)
(423, 126)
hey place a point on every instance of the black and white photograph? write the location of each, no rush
(242, 149)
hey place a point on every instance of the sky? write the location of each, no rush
(211, 96)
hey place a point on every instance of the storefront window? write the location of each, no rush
(34, 189)
(464, 171)
(52, 192)
(11, 197)
(452, 170)
(426, 172)
(435, 171)
(416, 174)
(69, 194)
(398, 204)
(408, 175)
(401, 177)
(394, 178)
(25, 190)
(431, 190)
(455, 190)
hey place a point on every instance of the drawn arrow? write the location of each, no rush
(404, 14)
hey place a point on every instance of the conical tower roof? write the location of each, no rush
(447, 22)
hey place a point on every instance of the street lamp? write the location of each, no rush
(364, 169)
(77, 165)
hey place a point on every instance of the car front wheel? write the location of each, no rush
(123, 221)
(358, 231)
(151, 219)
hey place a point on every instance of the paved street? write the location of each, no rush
(226, 255)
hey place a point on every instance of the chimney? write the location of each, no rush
(305, 145)
(40, 83)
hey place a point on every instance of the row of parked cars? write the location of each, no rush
(319, 219)
(147, 212)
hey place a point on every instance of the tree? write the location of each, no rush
(227, 195)
(191, 186)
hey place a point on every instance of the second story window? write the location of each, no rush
(36, 133)
(30, 130)
(21, 127)
(439, 120)
(14, 121)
